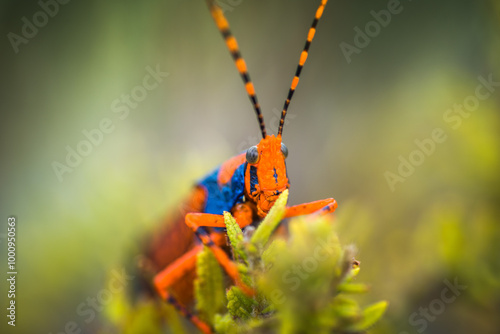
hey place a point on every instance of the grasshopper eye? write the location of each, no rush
(284, 150)
(252, 155)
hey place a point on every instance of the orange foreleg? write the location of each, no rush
(320, 207)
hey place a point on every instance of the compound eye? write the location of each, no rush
(252, 155)
(284, 150)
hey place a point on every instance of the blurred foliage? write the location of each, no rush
(209, 286)
(302, 284)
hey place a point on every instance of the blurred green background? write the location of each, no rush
(348, 124)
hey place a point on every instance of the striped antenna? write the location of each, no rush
(232, 45)
(302, 60)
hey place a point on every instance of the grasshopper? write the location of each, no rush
(246, 185)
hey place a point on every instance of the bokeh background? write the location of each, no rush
(348, 124)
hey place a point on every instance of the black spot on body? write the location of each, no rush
(253, 179)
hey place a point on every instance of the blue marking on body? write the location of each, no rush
(222, 197)
(275, 175)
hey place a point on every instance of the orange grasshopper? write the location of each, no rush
(246, 185)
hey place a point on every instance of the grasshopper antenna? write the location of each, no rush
(232, 45)
(302, 60)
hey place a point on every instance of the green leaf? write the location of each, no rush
(239, 305)
(352, 274)
(370, 316)
(272, 220)
(235, 236)
(353, 288)
(342, 311)
(209, 286)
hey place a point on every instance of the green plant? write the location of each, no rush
(303, 283)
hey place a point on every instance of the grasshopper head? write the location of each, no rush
(265, 176)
